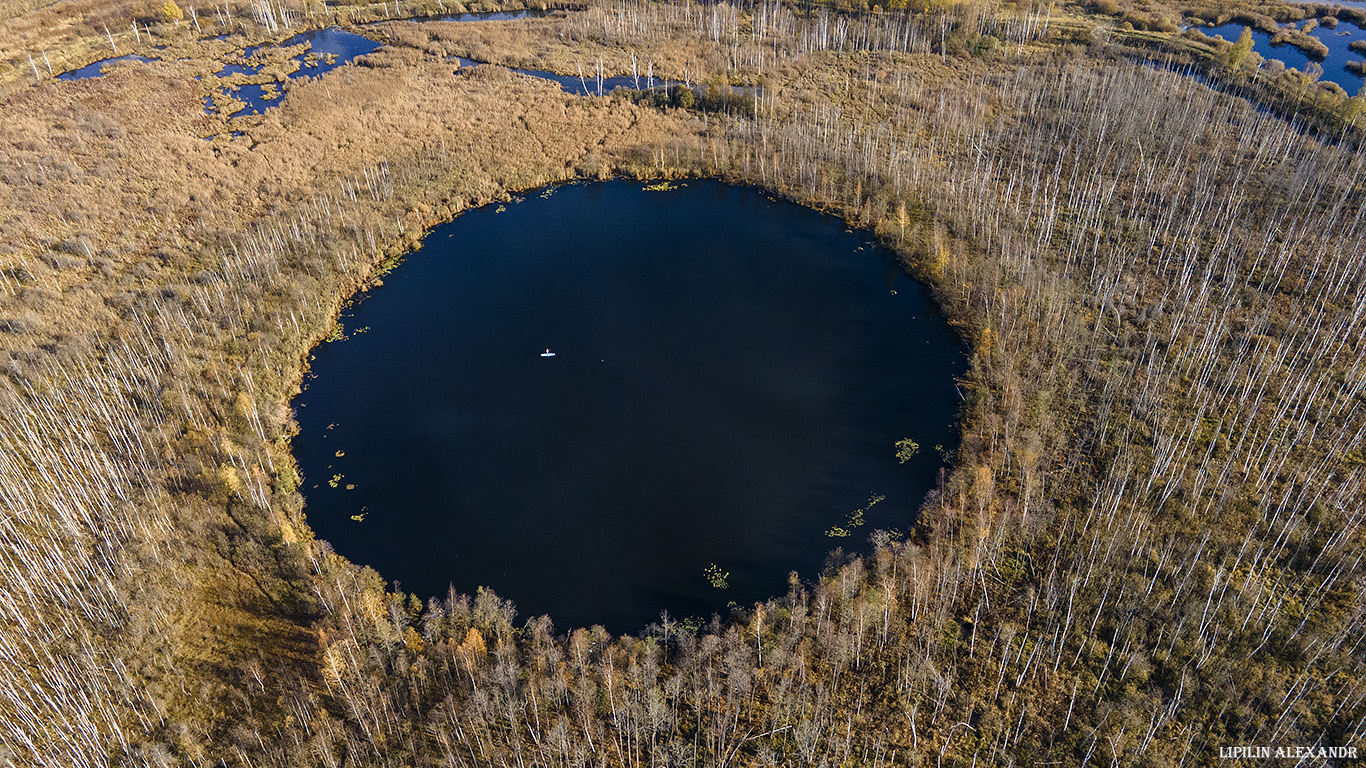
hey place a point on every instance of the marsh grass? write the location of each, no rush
(1162, 423)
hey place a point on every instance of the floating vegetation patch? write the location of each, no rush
(856, 519)
(906, 449)
(716, 577)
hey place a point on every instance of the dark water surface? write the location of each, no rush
(97, 68)
(731, 376)
(488, 16)
(328, 49)
(588, 85)
(331, 48)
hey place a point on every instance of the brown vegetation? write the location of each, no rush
(1148, 546)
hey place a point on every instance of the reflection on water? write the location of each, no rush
(590, 85)
(488, 16)
(585, 85)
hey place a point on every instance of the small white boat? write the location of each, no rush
(547, 353)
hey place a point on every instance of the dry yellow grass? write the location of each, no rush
(107, 171)
(113, 203)
(199, 273)
(68, 34)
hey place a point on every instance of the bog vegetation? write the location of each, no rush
(1147, 547)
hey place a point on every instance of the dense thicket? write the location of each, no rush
(1148, 547)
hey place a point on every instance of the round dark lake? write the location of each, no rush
(731, 376)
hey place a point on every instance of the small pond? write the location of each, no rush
(97, 69)
(590, 85)
(487, 16)
(1338, 41)
(730, 380)
(587, 85)
(1344, 3)
(328, 49)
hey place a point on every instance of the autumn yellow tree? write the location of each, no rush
(1241, 49)
(1355, 107)
(170, 12)
(471, 651)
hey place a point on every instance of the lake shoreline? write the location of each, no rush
(189, 308)
(335, 390)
